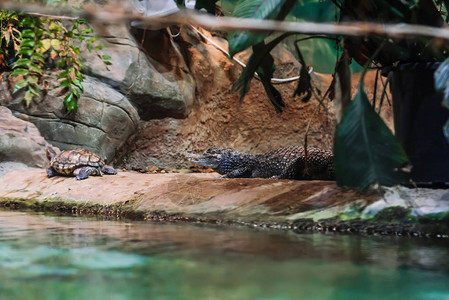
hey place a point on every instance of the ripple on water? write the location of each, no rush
(74, 258)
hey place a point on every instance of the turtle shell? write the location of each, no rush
(69, 160)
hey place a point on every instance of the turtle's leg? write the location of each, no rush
(84, 172)
(51, 172)
(109, 171)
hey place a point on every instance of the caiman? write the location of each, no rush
(284, 163)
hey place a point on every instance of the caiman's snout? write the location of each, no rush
(207, 159)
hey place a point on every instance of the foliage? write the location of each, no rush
(365, 150)
(423, 12)
(358, 162)
(441, 77)
(30, 44)
(262, 61)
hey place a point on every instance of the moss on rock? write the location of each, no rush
(394, 214)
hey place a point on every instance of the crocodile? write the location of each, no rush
(284, 163)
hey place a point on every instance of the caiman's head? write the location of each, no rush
(222, 160)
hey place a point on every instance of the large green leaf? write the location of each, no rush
(441, 76)
(256, 9)
(365, 150)
(314, 10)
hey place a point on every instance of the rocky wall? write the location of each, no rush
(167, 94)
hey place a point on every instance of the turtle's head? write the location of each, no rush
(50, 153)
(221, 160)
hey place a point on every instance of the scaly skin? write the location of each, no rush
(284, 163)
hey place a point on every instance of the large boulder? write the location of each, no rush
(20, 141)
(156, 80)
(103, 122)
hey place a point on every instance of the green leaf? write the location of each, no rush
(242, 84)
(75, 93)
(34, 90)
(365, 150)
(314, 11)
(22, 62)
(256, 9)
(36, 68)
(446, 130)
(265, 72)
(28, 97)
(441, 79)
(66, 83)
(19, 71)
(446, 97)
(27, 22)
(78, 83)
(99, 47)
(32, 80)
(27, 43)
(241, 40)
(70, 102)
(28, 34)
(56, 44)
(20, 85)
(76, 50)
(37, 57)
(39, 32)
(86, 31)
(25, 51)
(446, 4)
(304, 82)
(441, 76)
(79, 75)
(64, 74)
(55, 26)
(92, 40)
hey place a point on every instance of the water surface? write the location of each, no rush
(60, 257)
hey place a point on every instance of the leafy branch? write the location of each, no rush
(35, 43)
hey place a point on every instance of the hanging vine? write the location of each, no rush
(31, 44)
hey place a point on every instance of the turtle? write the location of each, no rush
(77, 162)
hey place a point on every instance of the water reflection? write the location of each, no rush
(51, 257)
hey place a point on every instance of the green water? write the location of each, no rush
(52, 257)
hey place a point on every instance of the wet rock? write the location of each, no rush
(205, 198)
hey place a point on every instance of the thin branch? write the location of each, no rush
(118, 14)
(53, 16)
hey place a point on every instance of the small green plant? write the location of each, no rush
(34, 44)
